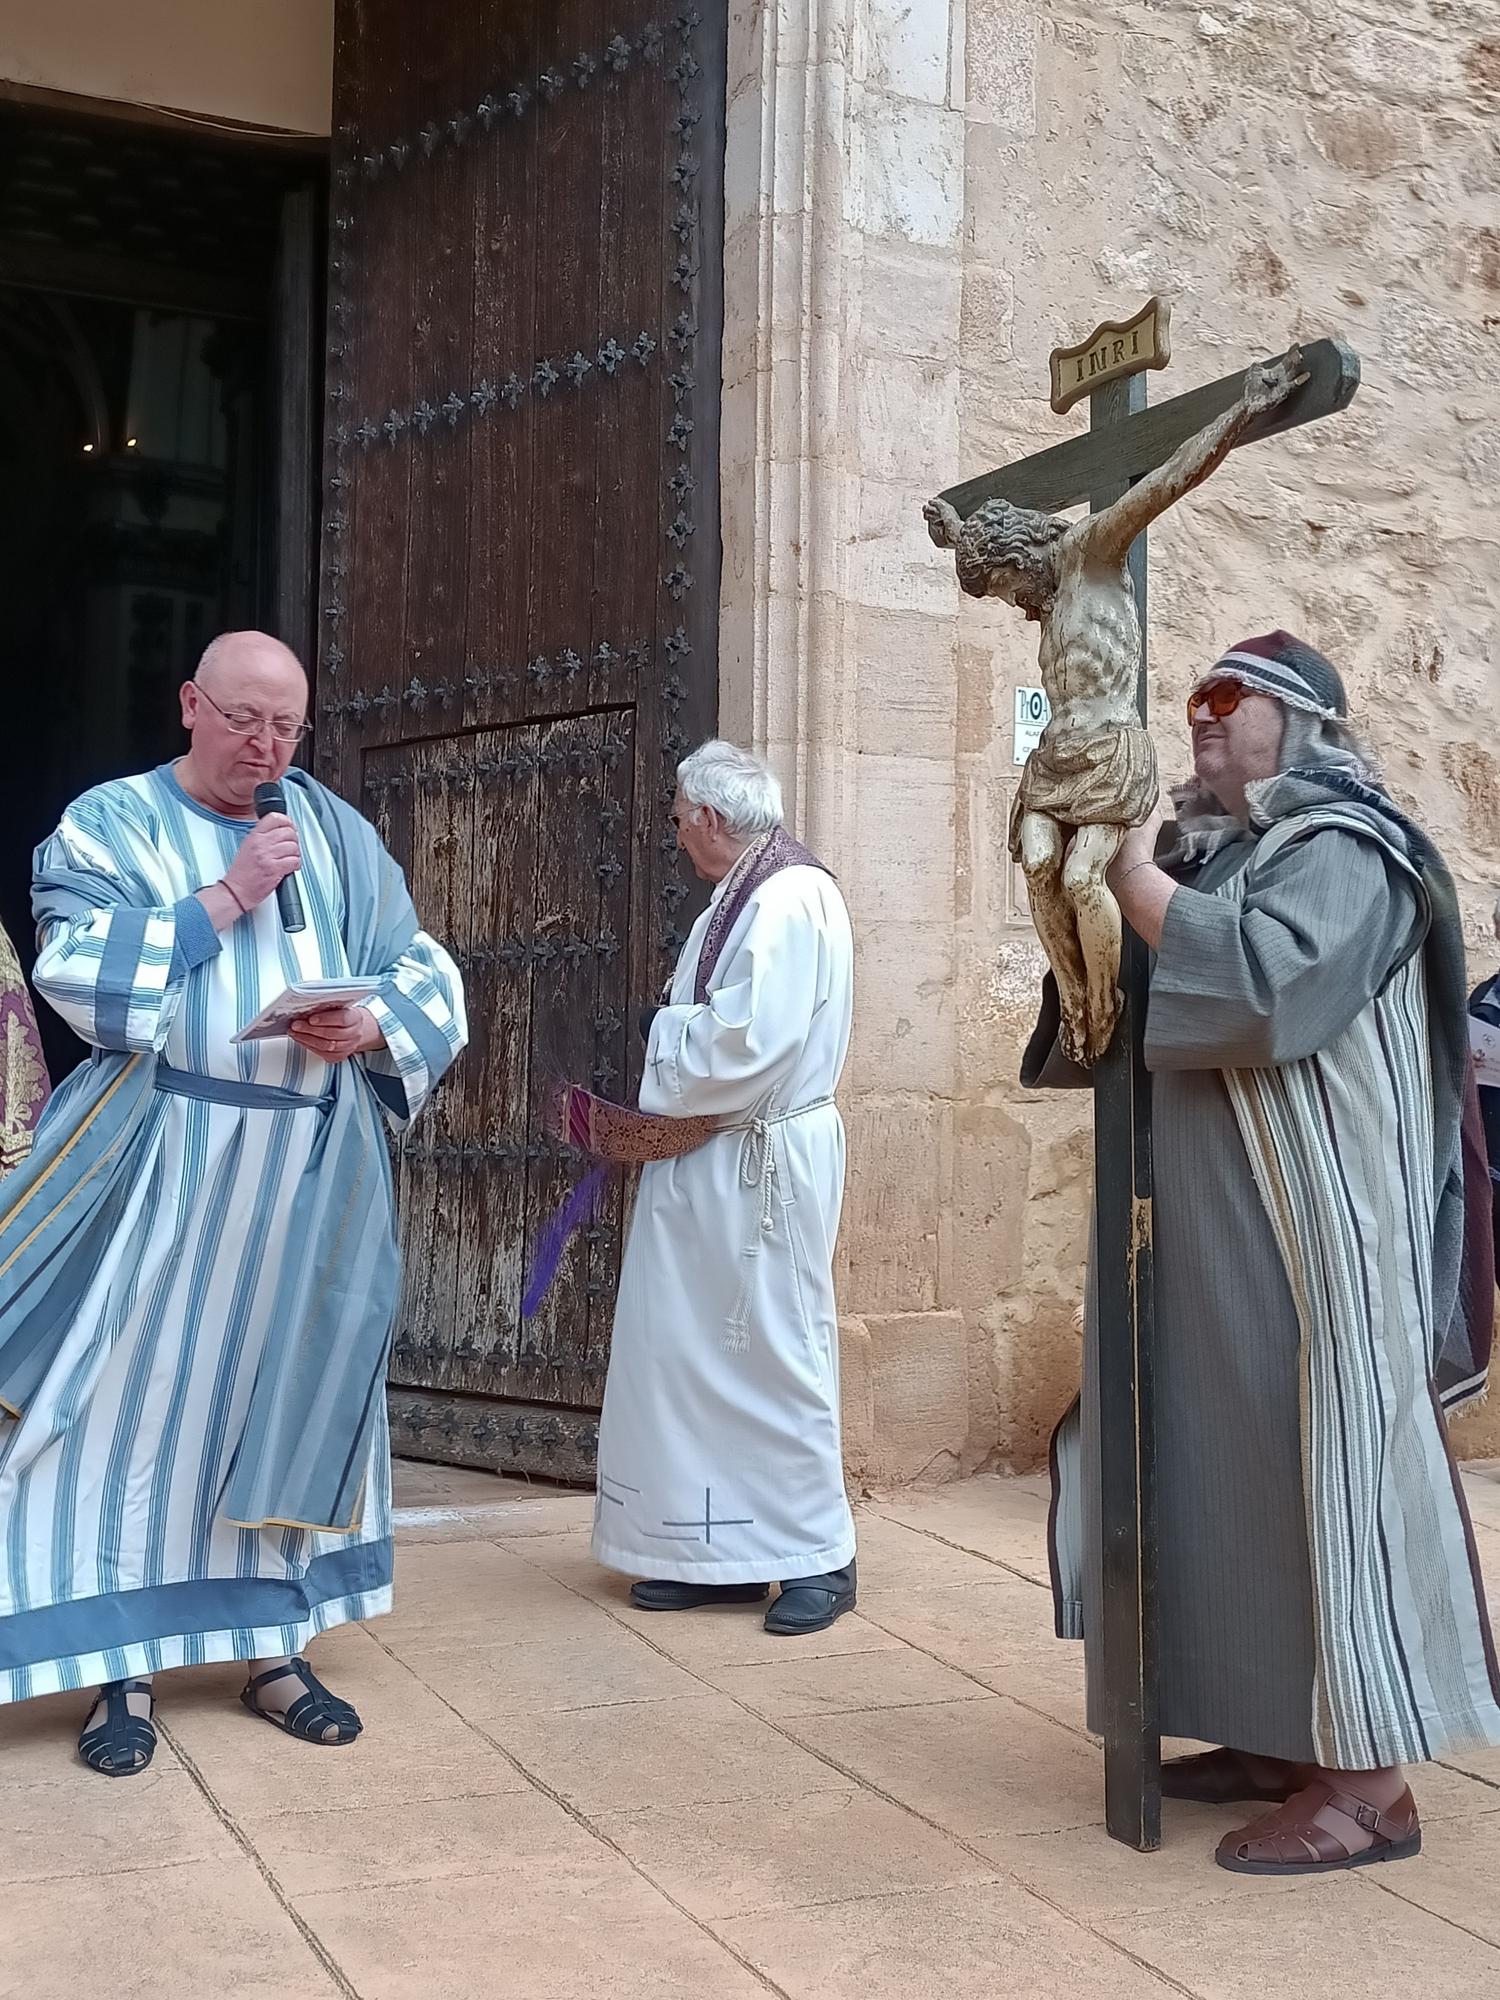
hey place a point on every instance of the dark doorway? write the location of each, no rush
(148, 358)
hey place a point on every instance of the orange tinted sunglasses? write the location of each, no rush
(1220, 698)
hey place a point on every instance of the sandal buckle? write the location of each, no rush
(1368, 1817)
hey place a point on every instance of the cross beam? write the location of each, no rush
(1108, 457)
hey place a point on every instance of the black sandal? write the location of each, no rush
(122, 1745)
(314, 1711)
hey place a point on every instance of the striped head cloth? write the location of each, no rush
(1289, 670)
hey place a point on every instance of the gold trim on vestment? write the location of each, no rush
(43, 1179)
(308, 1527)
(23, 1087)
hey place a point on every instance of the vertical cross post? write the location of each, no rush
(1125, 1418)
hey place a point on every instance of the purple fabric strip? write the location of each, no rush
(24, 1085)
(780, 851)
(578, 1210)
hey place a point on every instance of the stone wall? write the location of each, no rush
(924, 198)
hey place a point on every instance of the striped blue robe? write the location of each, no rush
(116, 1555)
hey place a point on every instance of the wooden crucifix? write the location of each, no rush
(1092, 776)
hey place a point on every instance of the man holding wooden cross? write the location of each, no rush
(1323, 1289)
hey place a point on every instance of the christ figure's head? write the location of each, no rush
(1002, 551)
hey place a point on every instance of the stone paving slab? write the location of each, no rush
(1338, 1936)
(991, 1940)
(561, 1797)
(478, 1937)
(193, 1932)
(841, 1683)
(757, 1855)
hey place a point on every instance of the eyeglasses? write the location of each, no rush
(1220, 698)
(240, 723)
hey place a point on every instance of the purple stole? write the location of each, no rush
(24, 1086)
(778, 850)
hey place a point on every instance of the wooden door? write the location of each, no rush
(518, 610)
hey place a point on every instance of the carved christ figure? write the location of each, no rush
(1093, 774)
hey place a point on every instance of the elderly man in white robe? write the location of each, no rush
(720, 1469)
(198, 1264)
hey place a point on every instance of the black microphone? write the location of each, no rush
(270, 798)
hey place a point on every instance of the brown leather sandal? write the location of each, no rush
(1221, 1778)
(1289, 1841)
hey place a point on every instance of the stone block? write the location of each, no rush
(920, 1380)
(905, 419)
(985, 1418)
(1368, 139)
(801, 34)
(991, 1156)
(1375, 59)
(998, 425)
(745, 48)
(904, 1030)
(1000, 979)
(782, 555)
(739, 423)
(958, 36)
(909, 301)
(1000, 69)
(737, 510)
(890, 561)
(987, 324)
(903, 47)
(906, 170)
(856, 1395)
(976, 699)
(963, 847)
(1038, 1347)
(888, 1245)
(744, 192)
(903, 822)
(904, 679)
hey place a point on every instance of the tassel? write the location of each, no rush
(579, 1209)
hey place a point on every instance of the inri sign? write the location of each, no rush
(1112, 350)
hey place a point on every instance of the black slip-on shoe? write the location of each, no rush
(811, 1604)
(667, 1594)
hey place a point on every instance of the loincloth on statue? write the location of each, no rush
(1098, 777)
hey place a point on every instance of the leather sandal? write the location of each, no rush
(1222, 1778)
(1290, 1842)
(315, 1711)
(122, 1745)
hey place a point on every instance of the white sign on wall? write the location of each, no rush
(1033, 713)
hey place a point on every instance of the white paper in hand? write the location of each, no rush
(305, 997)
(1484, 1046)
